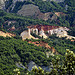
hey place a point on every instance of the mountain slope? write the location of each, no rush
(29, 10)
(6, 34)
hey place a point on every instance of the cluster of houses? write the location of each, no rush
(45, 31)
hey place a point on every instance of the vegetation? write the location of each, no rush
(22, 22)
(19, 5)
(68, 67)
(36, 36)
(60, 44)
(8, 3)
(13, 50)
(48, 6)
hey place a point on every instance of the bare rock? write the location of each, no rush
(29, 10)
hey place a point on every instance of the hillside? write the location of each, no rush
(6, 34)
(43, 44)
(13, 51)
(3, 2)
(14, 6)
(29, 10)
(37, 37)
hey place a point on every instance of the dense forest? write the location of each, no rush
(14, 50)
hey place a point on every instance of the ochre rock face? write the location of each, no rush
(6, 34)
(43, 44)
(59, 14)
(44, 27)
(26, 34)
(12, 29)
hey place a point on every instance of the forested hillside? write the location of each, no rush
(16, 54)
(13, 51)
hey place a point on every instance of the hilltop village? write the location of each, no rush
(45, 31)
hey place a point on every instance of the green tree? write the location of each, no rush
(66, 68)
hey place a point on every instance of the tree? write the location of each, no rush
(66, 68)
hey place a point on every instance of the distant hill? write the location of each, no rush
(29, 10)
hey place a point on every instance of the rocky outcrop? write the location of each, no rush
(43, 44)
(6, 34)
(47, 30)
(44, 16)
(34, 11)
(60, 14)
(29, 10)
(12, 28)
(26, 35)
(2, 4)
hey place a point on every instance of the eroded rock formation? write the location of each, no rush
(6, 34)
